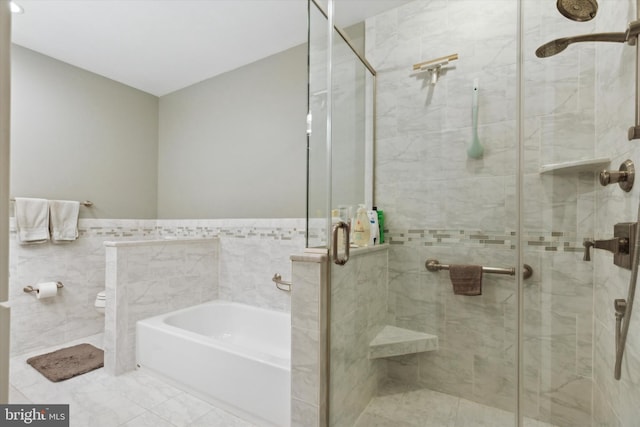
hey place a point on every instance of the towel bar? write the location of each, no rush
(434, 265)
(86, 203)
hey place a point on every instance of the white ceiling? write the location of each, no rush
(160, 46)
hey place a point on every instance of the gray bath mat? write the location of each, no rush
(68, 362)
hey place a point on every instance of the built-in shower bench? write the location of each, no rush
(393, 341)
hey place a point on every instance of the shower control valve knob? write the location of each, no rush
(617, 245)
(624, 176)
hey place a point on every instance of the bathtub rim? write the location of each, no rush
(158, 323)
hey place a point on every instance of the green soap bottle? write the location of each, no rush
(380, 224)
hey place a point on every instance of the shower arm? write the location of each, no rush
(619, 37)
(630, 37)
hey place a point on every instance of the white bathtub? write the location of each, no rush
(233, 355)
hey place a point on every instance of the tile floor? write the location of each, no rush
(96, 399)
(427, 408)
(137, 399)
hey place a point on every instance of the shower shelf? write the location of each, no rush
(393, 341)
(575, 166)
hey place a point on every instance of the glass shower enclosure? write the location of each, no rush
(486, 155)
(340, 150)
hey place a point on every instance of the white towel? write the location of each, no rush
(32, 220)
(64, 219)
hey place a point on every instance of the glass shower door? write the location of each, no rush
(440, 203)
(578, 105)
(535, 351)
(357, 308)
(341, 88)
(557, 215)
(339, 152)
(318, 203)
(446, 203)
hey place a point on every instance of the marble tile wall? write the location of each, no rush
(80, 266)
(308, 358)
(614, 401)
(147, 278)
(441, 204)
(252, 250)
(358, 313)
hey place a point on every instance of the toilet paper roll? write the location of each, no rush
(46, 290)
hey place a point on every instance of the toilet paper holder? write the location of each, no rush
(29, 289)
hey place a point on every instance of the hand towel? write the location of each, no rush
(466, 279)
(32, 220)
(64, 220)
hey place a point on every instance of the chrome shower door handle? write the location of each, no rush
(340, 225)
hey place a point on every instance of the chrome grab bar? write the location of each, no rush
(334, 243)
(277, 279)
(434, 265)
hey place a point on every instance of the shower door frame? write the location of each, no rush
(370, 112)
(519, 175)
(369, 148)
(519, 200)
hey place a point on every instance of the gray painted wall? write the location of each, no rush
(234, 146)
(77, 135)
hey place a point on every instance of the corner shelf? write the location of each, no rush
(393, 341)
(575, 166)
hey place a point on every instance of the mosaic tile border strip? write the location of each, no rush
(277, 233)
(118, 232)
(555, 241)
(151, 229)
(293, 229)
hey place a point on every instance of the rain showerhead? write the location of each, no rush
(578, 10)
(556, 46)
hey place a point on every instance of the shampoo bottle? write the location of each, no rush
(361, 228)
(380, 224)
(375, 230)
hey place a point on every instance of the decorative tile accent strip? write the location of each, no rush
(272, 229)
(293, 229)
(270, 233)
(541, 241)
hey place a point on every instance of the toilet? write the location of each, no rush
(101, 301)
